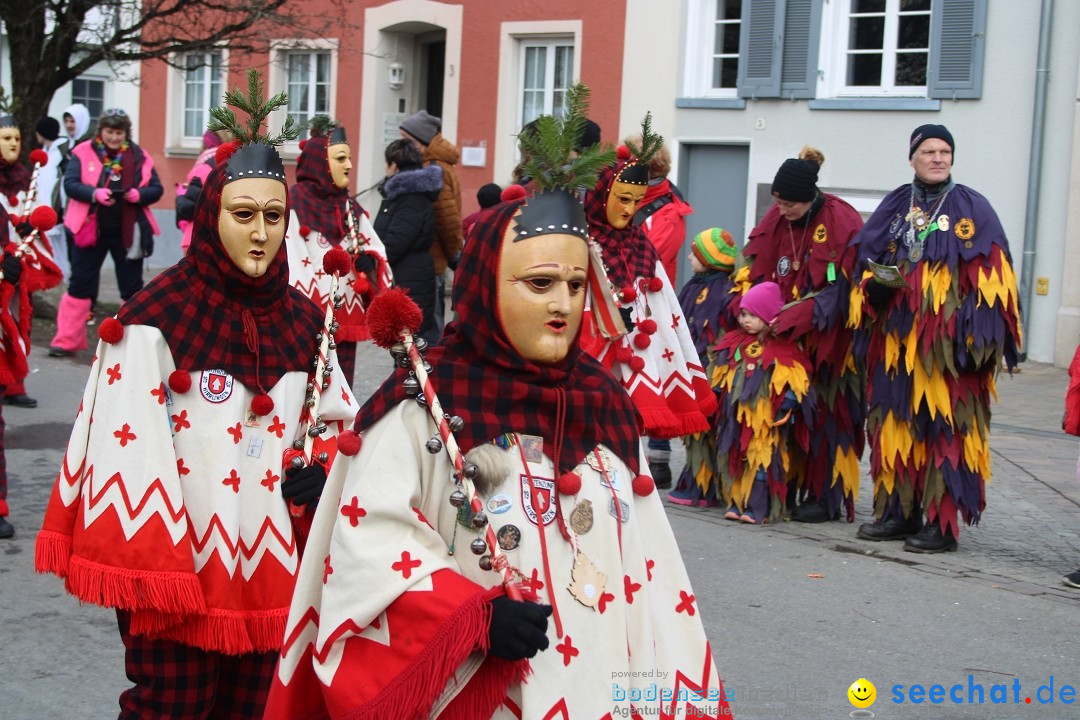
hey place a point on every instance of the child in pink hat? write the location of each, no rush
(761, 380)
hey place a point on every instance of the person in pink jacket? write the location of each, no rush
(187, 193)
(1071, 424)
(111, 183)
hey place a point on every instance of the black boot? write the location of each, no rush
(813, 512)
(892, 529)
(6, 529)
(930, 540)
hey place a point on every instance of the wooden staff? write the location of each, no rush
(42, 219)
(395, 309)
(336, 262)
(40, 158)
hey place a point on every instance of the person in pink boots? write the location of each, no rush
(111, 183)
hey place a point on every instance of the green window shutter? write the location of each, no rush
(761, 45)
(957, 41)
(802, 39)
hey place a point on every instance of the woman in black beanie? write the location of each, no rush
(802, 245)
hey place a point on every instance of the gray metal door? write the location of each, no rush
(713, 180)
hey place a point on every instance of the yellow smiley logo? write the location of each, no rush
(862, 693)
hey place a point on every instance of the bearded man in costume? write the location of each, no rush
(551, 442)
(325, 216)
(934, 340)
(173, 502)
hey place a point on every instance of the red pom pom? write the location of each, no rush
(643, 485)
(628, 294)
(656, 284)
(647, 326)
(13, 200)
(391, 312)
(623, 153)
(512, 193)
(16, 220)
(225, 151)
(302, 144)
(623, 354)
(569, 483)
(43, 218)
(179, 381)
(39, 157)
(361, 284)
(348, 443)
(336, 261)
(643, 285)
(636, 364)
(111, 330)
(262, 404)
(304, 231)
(642, 341)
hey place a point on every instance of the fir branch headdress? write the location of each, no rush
(550, 142)
(7, 110)
(258, 108)
(636, 172)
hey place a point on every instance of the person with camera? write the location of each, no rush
(111, 183)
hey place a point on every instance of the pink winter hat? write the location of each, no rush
(763, 300)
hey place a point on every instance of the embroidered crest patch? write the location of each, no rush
(540, 505)
(216, 385)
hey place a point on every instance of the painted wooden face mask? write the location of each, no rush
(627, 192)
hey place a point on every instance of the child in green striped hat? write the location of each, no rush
(706, 301)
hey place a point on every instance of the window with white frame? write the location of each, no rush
(202, 90)
(884, 47)
(308, 84)
(547, 73)
(91, 93)
(713, 47)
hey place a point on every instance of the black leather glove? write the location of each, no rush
(24, 229)
(518, 629)
(877, 293)
(304, 485)
(627, 315)
(365, 263)
(12, 269)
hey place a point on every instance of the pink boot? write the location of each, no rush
(70, 326)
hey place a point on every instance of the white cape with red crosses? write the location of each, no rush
(169, 504)
(306, 253)
(390, 614)
(657, 362)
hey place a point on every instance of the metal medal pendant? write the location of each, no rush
(795, 265)
(783, 266)
(915, 254)
(581, 517)
(601, 463)
(909, 236)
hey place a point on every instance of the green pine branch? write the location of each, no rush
(650, 141)
(549, 147)
(257, 108)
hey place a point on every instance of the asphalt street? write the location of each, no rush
(796, 613)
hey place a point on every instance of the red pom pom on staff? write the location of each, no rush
(43, 218)
(39, 157)
(391, 311)
(337, 262)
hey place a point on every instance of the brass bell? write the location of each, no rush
(478, 546)
(485, 562)
(457, 498)
(456, 423)
(421, 344)
(297, 462)
(323, 457)
(398, 350)
(421, 400)
(470, 470)
(433, 445)
(412, 386)
(479, 520)
(298, 444)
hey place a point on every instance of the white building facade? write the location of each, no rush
(738, 86)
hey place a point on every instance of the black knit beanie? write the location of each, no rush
(796, 180)
(925, 132)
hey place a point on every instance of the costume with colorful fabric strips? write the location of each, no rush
(819, 269)
(752, 376)
(563, 495)
(933, 350)
(710, 309)
(168, 503)
(656, 362)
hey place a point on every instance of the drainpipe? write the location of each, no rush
(1031, 211)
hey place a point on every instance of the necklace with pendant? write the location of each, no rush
(796, 258)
